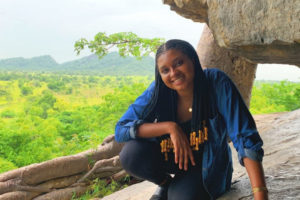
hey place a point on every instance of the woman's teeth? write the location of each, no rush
(179, 79)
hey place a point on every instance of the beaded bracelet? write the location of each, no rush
(259, 189)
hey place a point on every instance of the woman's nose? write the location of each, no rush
(173, 72)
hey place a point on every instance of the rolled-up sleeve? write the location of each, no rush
(239, 122)
(126, 127)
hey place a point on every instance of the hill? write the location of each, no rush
(40, 63)
(111, 64)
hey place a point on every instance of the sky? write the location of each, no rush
(50, 27)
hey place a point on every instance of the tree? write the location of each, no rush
(128, 44)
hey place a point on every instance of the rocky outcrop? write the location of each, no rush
(280, 133)
(263, 31)
(239, 69)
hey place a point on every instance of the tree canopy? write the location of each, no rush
(127, 43)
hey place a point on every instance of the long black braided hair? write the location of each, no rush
(163, 105)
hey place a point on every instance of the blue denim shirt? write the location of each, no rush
(232, 118)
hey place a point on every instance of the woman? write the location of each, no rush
(180, 125)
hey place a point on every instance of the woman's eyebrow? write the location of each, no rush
(176, 60)
(161, 67)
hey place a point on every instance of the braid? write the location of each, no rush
(160, 106)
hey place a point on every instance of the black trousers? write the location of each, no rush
(143, 159)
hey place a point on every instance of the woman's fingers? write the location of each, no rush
(182, 150)
(188, 155)
(181, 158)
(186, 160)
(176, 153)
(191, 156)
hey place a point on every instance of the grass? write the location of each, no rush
(103, 187)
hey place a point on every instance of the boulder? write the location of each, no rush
(263, 31)
(239, 69)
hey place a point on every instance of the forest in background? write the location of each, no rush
(47, 115)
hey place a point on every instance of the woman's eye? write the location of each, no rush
(179, 63)
(164, 71)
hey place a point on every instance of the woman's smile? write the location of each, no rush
(178, 81)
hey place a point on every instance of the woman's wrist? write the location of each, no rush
(260, 193)
(172, 126)
(259, 189)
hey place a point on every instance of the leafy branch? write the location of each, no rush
(127, 43)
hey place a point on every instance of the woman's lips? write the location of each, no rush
(178, 81)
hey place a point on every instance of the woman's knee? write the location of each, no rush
(137, 153)
(129, 152)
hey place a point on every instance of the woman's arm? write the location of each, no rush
(150, 130)
(257, 178)
(241, 130)
(126, 127)
(239, 122)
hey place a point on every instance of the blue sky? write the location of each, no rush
(51, 27)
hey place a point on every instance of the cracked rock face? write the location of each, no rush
(263, 31)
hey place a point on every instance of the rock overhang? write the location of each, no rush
(263, 31)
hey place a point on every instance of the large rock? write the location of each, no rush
(239, 69)
(280, 133)
(263, 31)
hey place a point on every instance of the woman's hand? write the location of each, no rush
(182, 149)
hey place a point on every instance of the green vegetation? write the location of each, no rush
(100, 188)
(128, 44)
(43, 116)
(270, 97)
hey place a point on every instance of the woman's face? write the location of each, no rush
(176, 70)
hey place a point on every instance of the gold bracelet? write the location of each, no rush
(259, 189)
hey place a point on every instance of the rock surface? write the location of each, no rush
(263, 31)
(239, 69)
(281, 135)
